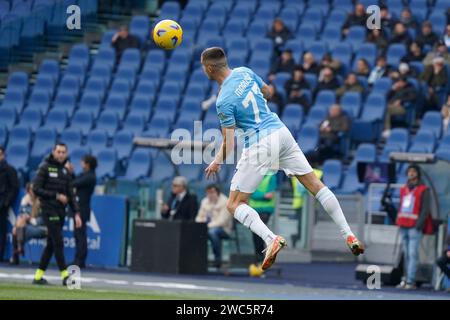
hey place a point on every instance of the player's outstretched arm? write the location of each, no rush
(225, 149)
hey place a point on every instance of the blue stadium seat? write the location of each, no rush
(17, 156)
(44, 140)
(424, 142)
(332, 173)
(307, 33)
(50, 68)
(316, 116)
(20, 135)
(368, 128)
(317, 48)
(83, 121)
(382, 85)
(394, 53)
(234, 28)
(162, 169)
(123, 143)
(39, 101)
(399, 137)
(131, 59)
(432, 121)
(56, 119)
(65, 101)
(293, 117)
(439, 20)
(158, 128)
(443, 151)
(170, 10)
(116, 104)
(331, 35)
(18, 81)
(8, 118)
(91, 102)
(3, 136)
(14, 100)
(108, 121)
(313, 17)
(139, 165)
(69, 84)
(31, 118)
(366, 152)
(325, 98)
(351, 103)
(142, 105)
(79, 55)
(134, 123)
(351, 183)
(356, 36)
(140, 27)
(166, 107)
(71, 137)
(308, 138)
(96, 140)
(108, 160)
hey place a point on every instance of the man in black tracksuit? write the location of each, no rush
(85, 185)
(9, 188)
(53, 186)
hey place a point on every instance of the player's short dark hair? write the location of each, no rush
(213, 186)
(91, 161)
(215, 56)
(62, 144)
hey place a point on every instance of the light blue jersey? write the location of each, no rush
(241, 104)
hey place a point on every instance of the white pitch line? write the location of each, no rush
(167, 285)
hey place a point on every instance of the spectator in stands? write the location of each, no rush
(285, 63)
(380, 70)
(328, 61)
(439, 50)
(123, 40)
(358, 18)
(414, 220)
(9, 188)
(401, 93)
(362, 68)
(182, 205)
(213, 211)
(445, 112)
(444, 260)
(84, 184)
(447, 36)
(427, 35)
(351, 83)
(279, 34)
(400, 35)
(331, 130)
(404, 70)
(328, 81)
(415, 52)
(435, 77)
(407, 19)
(28, 225)
(309, 63)
(295, 87)
(263, 201)
(387, 22)
(377, 37)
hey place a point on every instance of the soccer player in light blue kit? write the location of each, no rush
(268, 146)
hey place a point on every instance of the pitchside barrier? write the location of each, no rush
(107, 233)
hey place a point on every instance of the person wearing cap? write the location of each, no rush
(427, 35)
(182, 205)
(414, 220)
(401, 93)
(435, 77)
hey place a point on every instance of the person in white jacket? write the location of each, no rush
(213, 211)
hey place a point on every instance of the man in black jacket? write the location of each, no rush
(53, 186)
(9, 188)
(84, 185)
(181, 205)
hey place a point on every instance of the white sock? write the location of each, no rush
(331, 205)
(250, 218)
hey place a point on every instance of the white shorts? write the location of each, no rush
(277, 151)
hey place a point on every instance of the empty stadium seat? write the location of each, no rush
(332, 174)
(432, 121)
(366, 152)
(139, 165)
(424, 142)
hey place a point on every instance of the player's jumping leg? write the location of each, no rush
(237, 205)
(331, 205)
